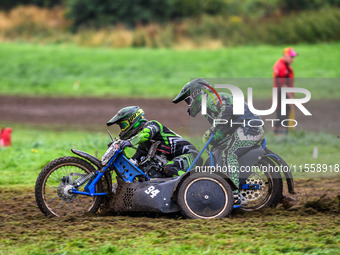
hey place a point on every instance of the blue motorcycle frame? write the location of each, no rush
(127, 171)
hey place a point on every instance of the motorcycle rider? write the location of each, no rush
(137, 131)
(234, 139)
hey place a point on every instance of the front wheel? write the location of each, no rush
(53, 185)
(205, 196)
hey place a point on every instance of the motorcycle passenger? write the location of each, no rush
(137, 131)
(234, 140)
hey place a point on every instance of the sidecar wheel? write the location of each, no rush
(205, 196)
(50, 191)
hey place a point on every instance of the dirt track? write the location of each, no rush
(21, 222)
(16, 203)
(93, 113)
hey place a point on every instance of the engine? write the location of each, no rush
(153, 169)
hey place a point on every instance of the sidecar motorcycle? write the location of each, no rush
(79, 185)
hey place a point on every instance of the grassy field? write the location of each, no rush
(65, 70)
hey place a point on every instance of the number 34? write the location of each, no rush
(152, 191)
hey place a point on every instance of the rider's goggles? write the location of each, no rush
(188, 100)
(124, 125)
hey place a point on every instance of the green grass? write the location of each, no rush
(171, 236)
(32, 149)
(66, 70)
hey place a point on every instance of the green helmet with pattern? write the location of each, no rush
(191, 93)
(130, 120)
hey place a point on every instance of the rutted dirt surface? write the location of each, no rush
(20, 203)
(93, 113)
(86, 113)
(22, 223)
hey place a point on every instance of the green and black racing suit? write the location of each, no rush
(176, 149)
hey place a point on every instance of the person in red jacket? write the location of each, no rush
(283, 75)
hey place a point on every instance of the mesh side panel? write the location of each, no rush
(127, 199)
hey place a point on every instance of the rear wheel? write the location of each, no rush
(266, 176)
(205, 196)
(53, 185)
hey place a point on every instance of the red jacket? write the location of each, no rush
(282, 74)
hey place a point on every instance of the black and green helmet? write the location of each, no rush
(191, 93)
(130, 120)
